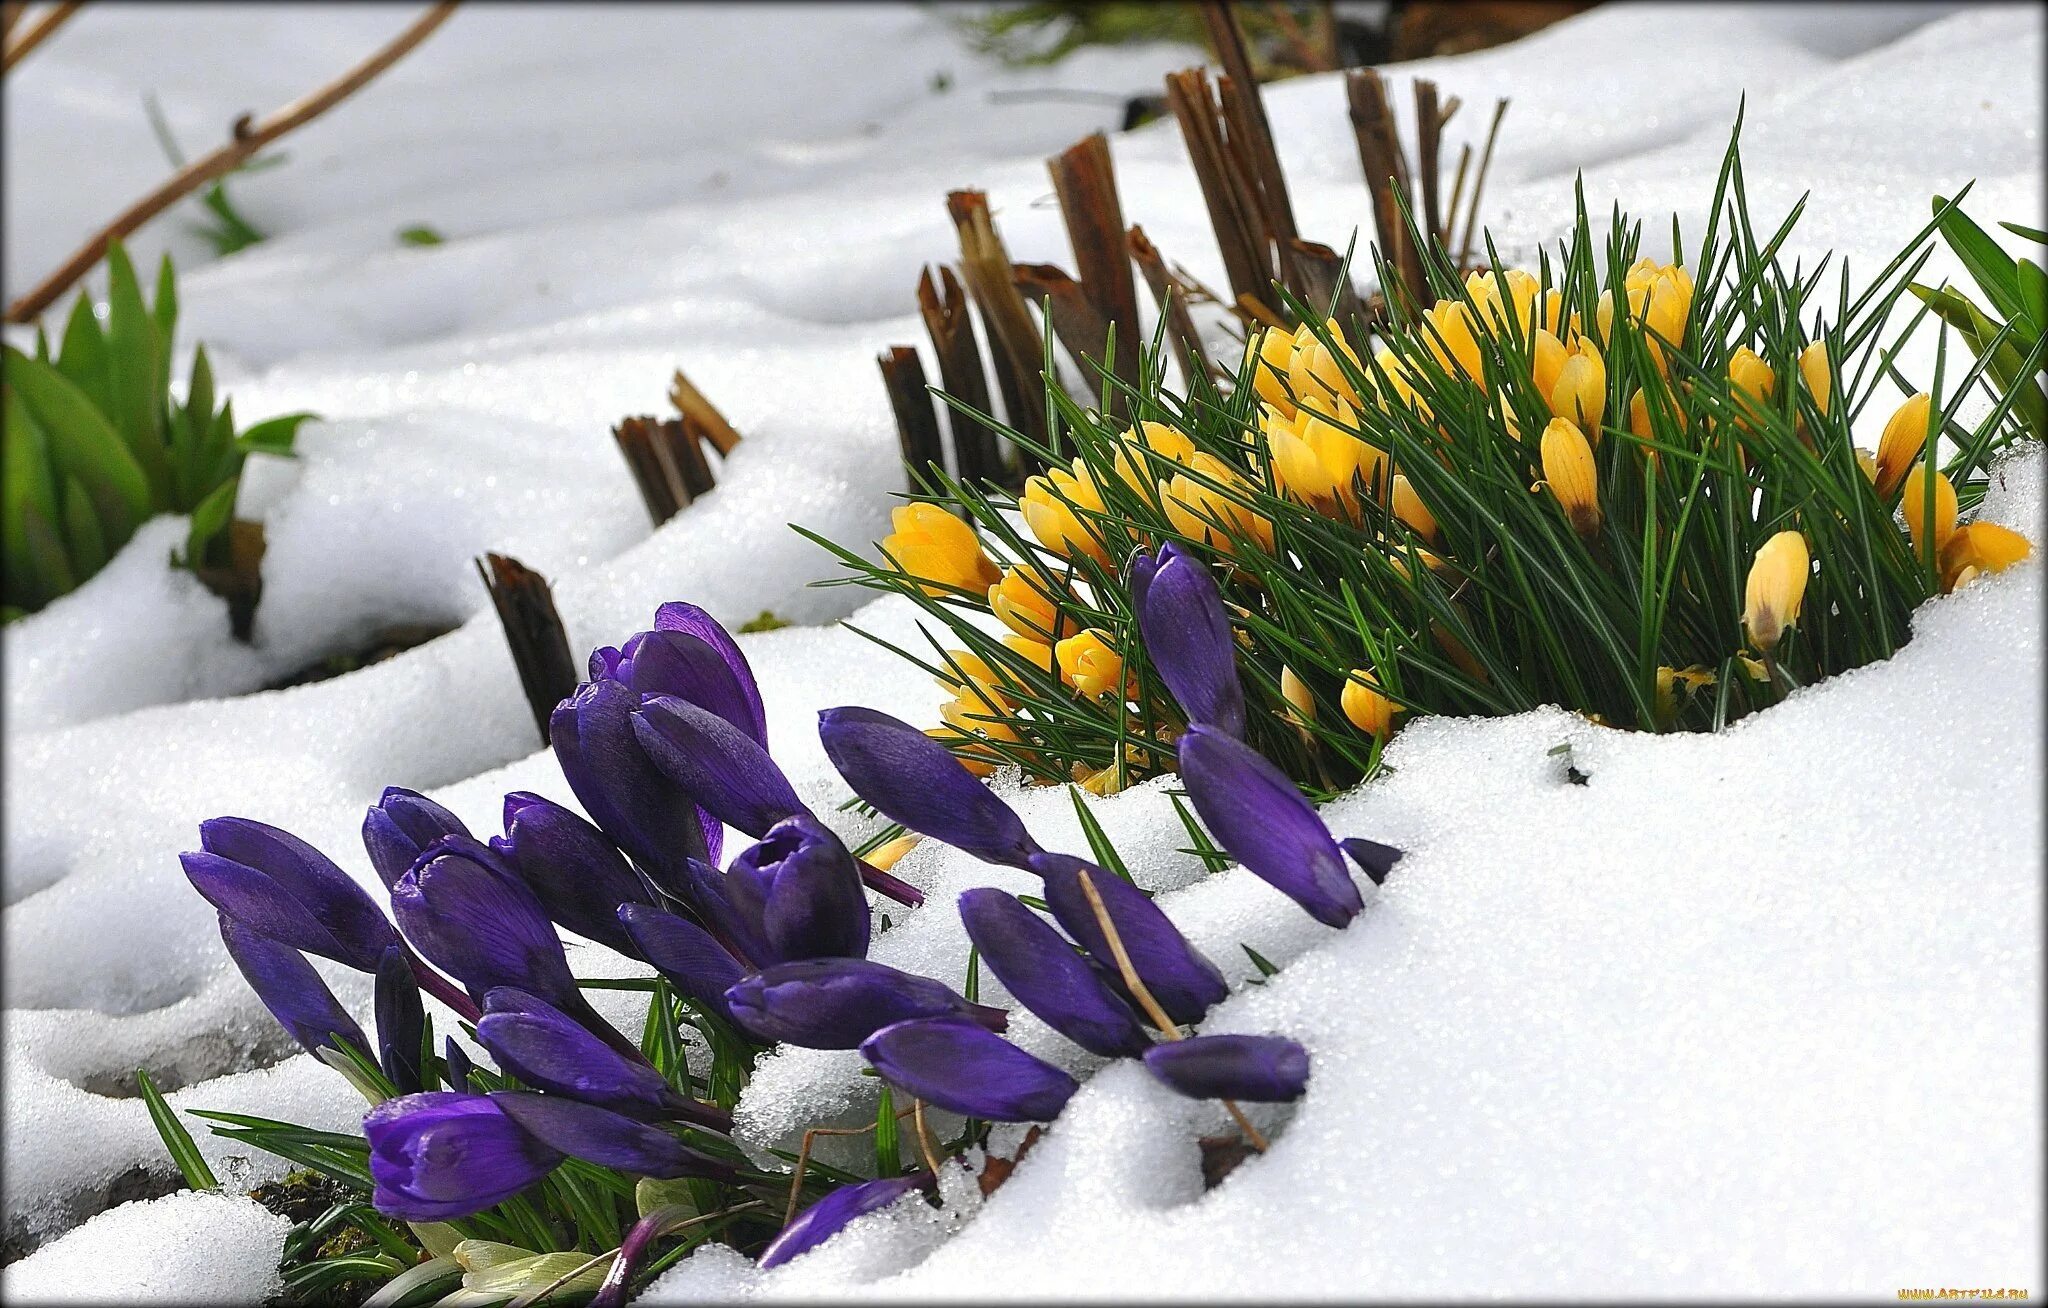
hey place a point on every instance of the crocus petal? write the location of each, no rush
(688, 618)
(576, 872)
(1373, 858)
(549, 1050)
(805, 887)
(1187, 637)
(399, 826)
(401, 1022)
(1258, 1069)
(689, 667)
(442, 1155)
(1184, 982)
(963, 1068)
(914, 780)
(456, 1074)
(259, 903)
(832, 1214)
(600, 1136)
(649, 816)
(1037, 965)
(695, 964)
(835, 1003)
(716, 763)
(354, 931)
(1261, 818)
(294, 993)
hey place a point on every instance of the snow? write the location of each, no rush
(1581, 1047)
(146, 1252)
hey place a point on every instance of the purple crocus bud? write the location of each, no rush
(709, 895)
(459, 1066)
(279, 886)
(688, 665)
(1187, 636)
(576, 872)
(962, 1068)
(1037, 965)
(801, 887)
(832, 1214)
(1373, 858)
(401, 1022)
(916, 781)
(650, 817)
(695, 964)
(835, 1003)
(1259, 1069)
(399, 826)
(1184, 982)
(600, 1136)
(1261, 818)
(549, 1050)
(294, 993)
(721, 767)
(442, 1155)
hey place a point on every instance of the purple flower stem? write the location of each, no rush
(441, 988)
(890, 887)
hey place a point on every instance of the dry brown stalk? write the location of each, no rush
(1075, 320)
(917, 427)
(533, 630)
(1084, 178)
(1239, 235)
(690, 402)
(1172, 298)
(1429, 135)
(943, 304)
(35, 33)
(1014, 343)
(1379, 153)
(248, 136)
(10, 14)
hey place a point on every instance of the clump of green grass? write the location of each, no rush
(1409, 523)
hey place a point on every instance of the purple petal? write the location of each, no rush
(805, 886)
(914, 780)
(600, 1136)
(1187, 637)
(399, 826)
(688, 618)
(963, 1068)
(715, 763)
(832, 1214)
(695, 964)
(1184, 982)
(835, 1003)
(578, 874)
(401, 1022)
(291, 989)
(549, 1050)
(301, 875)
(1257, 1069)
(649, 816)
(1261, 818)
(1373, 858)
(443, 1155)
(1037, 965)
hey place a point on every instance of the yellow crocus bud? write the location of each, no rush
(939, 550)
(1522, 292)
(969, 677)
(1467, 662)
(1301, 701)
(1776, 586)
(1752, 378)
(1313, 371)
(1137, 471)
(1913, 503)
(1090, 664)
(1568, 468)
(1409, 508)
(1905, 434)
(1669, 680)
(1049, 505)
(1868, 462)
(1365, 707)
(1450, 338)
(1025, 600)
(1271, 348)
(1316, 456)
(1981, 547)
(970, 717)
(1546, 361)
(891, 854)
(1579, 391)
(1815, 371)
(1210, 516)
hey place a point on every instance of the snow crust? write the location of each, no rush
(191, 1247)
(1577, 1045)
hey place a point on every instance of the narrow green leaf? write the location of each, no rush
(209, 520)
(137, 371)
(888, 1140)
(83, 445)
(84, 543)
(183, 1149)
(273, 435)
(1987, 262)
(166, 310)
(83, 355)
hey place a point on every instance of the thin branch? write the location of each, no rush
(37, 32)
(248, 138)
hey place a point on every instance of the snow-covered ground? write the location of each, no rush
(1579, 1045)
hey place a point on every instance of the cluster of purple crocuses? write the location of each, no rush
(665, 747)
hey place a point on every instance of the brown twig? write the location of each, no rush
(1172, 297)
(1238, 236)
(1500, 109)
(690, 402)
(10, 14)
(1084, 178)
(1075, 319)
(1014, 343)
(925, 1144)
(976, 454)
(917, 427)
(35, 33)
(803, 1155)
(1429, 134)
(248, 137)
(533, 630)
(1380, 155)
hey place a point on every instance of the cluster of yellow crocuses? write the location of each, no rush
(1309, 414)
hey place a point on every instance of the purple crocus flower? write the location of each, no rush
(458, 1068)
(916, 781)
(1038, 965)
(1258, 1069)
(294, 993)
(1187, 636)
(694, 962)
(800, 888)
(832, 1214)
(835, 1003)
(728, 774)
(576, 872)
(1261, 818)
(279, 886)
(399, 826)
(443, 1154)
(1373, 858)
(471, 914)
(1184, 982)
(960, 1067)
(401, 1022)
(549, 1050)
(600, 1136)
(650, 817)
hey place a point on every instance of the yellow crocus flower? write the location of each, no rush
(1568, 468)
(1775, 588)
(938, 549)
